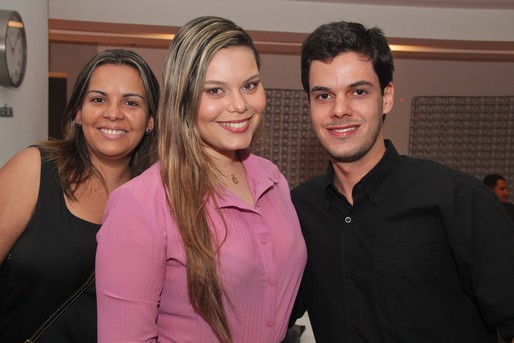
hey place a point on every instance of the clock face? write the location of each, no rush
(13, 48)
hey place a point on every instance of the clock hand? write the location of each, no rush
(10, 43)
(17, 39)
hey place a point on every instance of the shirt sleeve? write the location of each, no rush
(130, 270)
(482, 237)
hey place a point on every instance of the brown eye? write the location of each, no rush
(214, 91)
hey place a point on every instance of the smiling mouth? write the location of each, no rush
(113, 132)
(238, 125)
(343, 130)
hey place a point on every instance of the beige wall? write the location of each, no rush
(29, 102)
(299, 16)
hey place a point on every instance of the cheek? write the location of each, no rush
(258, 101)
(141, 119)
(317, 116)
(209, 110)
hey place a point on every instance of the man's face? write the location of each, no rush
(347, 107)
(501, 190)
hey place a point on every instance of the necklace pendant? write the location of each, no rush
(234, 179)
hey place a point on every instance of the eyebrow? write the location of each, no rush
(361, 83)
(125, 95)
(319, 89)
(353, 85)
(215, 82)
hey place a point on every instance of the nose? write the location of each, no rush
(341, 107)
(237, 103)
(114, 112)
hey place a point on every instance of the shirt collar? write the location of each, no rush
(375, 181)
(261, 175)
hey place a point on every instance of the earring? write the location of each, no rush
(148, 132)
(78, 124)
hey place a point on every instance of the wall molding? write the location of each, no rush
(272, 42)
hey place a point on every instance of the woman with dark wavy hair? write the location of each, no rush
(52, 198)
(205, 246)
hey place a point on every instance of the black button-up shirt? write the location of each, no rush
(425, 254)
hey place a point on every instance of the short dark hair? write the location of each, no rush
(492, 179)
(329, 40)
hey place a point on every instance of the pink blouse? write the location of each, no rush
(140, 264)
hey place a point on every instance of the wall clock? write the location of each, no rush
(13, 49)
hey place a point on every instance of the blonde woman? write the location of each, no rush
(205, 246)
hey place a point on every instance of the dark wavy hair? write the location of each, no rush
(71, 154)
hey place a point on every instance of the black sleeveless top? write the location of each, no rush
(52, 258)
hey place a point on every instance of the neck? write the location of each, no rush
(114, 174)
(348, 174)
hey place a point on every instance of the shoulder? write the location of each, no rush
(311, 190)
(137, 204)
(19, 189)
(257, 166)
(431, 173)
(255, 161)
(316, 184)
(146, 190)
(25, 165)
(145, 184)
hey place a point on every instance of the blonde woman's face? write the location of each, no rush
(232, 102)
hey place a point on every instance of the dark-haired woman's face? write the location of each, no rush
(114, 112)
(232, 101)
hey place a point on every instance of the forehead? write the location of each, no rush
(116, 76)
(347, 67)
(232, 60)
(501, 184)
(115, 70)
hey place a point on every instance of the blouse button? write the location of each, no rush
(269, 323)
(264, 241)
(348, 220)
(271, 281)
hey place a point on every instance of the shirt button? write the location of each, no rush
(264, 241)
(350, 273)
(348, 220)
(269, 323)
(271, 281)
(354, 329)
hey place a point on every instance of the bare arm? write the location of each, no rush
(19, 187)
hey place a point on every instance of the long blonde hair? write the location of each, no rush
(188, 173)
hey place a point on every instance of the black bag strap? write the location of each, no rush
(60, 310)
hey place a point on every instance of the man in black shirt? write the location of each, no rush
(498, 185)
(399, 249)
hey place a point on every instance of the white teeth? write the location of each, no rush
(236, 125)
(344, 130)
(113, 132)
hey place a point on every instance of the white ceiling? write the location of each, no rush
(485, 4)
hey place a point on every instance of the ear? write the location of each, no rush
(78, 117)
(150, 124)
(388, 98)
